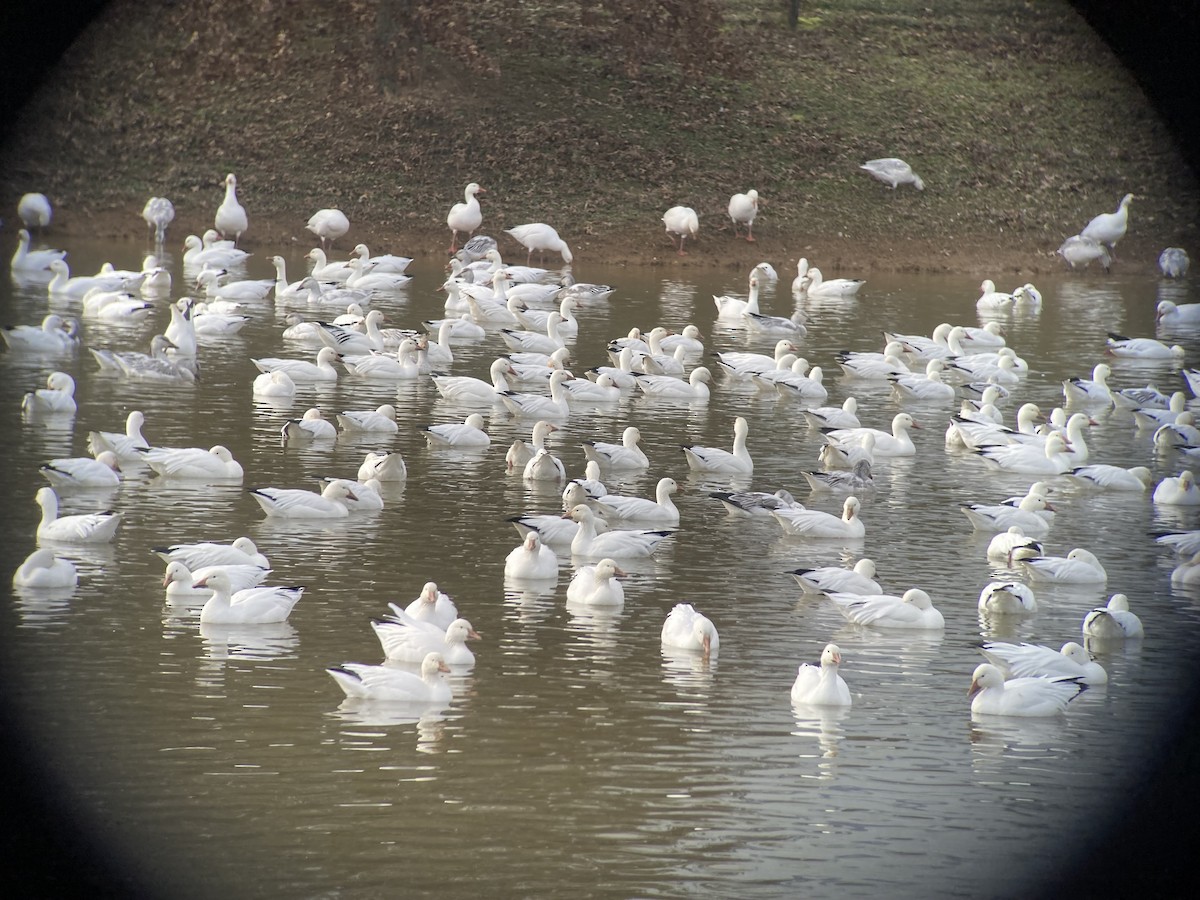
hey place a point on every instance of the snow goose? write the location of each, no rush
(854, 480)
(597, 585)
(1112, 478)
(403, 365)
(295, 503)
(821, 685)
(180, 581)
(26, 260)
(193, 463)
(384, 262)
(531, 560)
(466, 435)
(602, 390)
(241, 551)
(359, 681)
(555, 406)
(742, 210)
(1031, 696)
(847, 456)
(718, 460)
(897, 442)
(1169, 314)
(818, 288)
(104, 471)
(52, 338)
(433, 605)
(521, 452)
(681, 222)
(814, 523)
(734, 309)
(58, 396)
(1142, 348)
(465, 217)
(468, 389)
(874, 366)
(462, 328)
(1089, 391)
(974, 433)
(544, 466)
(1078, 251)
(893, 172)
(231, 215)
(665, 386)
(1173, 262)
(311, 426)
(381, 420)
(158, 213)
(914, 610)
(791, 325)
(753, 503)
(805, 387)
(1080, 566)
(86, 528)
(685, 628)
(590, 484)
(33, 209)
(1109, 228)
(800, 282)
(624, 456)
(540, 237)
(363, 496)
(1030, 459)
(992, 300)
(118, 307)
(405, 639)
(927, 386)
(744, 364)
(153, 366)
(1001, 546)
(42, 569)
(1007, 598)
(620, 544)
(844, 416)
(196, 255)
(1178, 490)
(124, 445)
(301, 371)
(1033, 660)
(64, 284)
(475, 249)
(328, 225)
(247, 289)
(534, 341)
(382, 467)
(835, 579)
(689, 338)
(1184, 543)
(274, 385)
(1113, 621)
(1000, 517)
(1150, 407)
(1187, 572)
(661, 511)
(363, 280)
(284, 291)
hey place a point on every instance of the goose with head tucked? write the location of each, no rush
(1033, 660)
(720, 461)
(532, 560)
(34, 210)
(597, 585)
(1028, 696)
(273, 386)
(661, 511)
(1007, 598)
(835, 579)
(1113, 621)
(914, 610)
(821, 685)
(1001, 546)
(620, 544)
(83, 472)
(625, 456)
(85, 528)
(815, 523)
(433, 605)
(387, 684)
(405, 639)
(1178, 490)
(686, 628)
(1078, 251)
(683, 223)
(329, 225)
(670, 388)
(1173, 262)
(385, 467)
(241, 551)
(43, 569)
(312, 426)
(193, 463)
(57, 397)
(295, 503)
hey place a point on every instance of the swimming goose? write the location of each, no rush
(466, 435)
(1030, 459)
(685, 628)
(231, 216)
(602, 390)
(301, 371)
(800, 282)
(597, 585)
(404, 364)
(382, 467)
(818, 288)
(118, 307)
(405, 639)
(1142, 348)
(1173, 262)
(1176, 315)
(855, 480)
(1109, 228)
(668, 387)
(893, 172)
(521, 452)
(821, 685)
(537, 342)
(361, 279)
(55, 336)
(753, 503)
(57, 397)
(241, 551)
(433, 605)
(359, 681)
(897, 442)
(196, 255)
(34, 210)
(620, 544)
(1178, 490)
(913, 610)
(42, 569)
(844, 457)
(624, 456)
(153, 366)
(1112, 478)
(103, 471)
(86, 528)
(544, 466)
(1113, 621)
(927, 386)
(467, 389)
(531, 560)
(1029, 697)
(689, 338)
(992, 300)
(1032, 660)
(193, 463)
(540, 237)
(249, 289)
(1080, 566)
(180, 581)
(1000, 517)
(1007, 598)
(844, 416)
(1089, 391)
(681, 222)
(64, 284)
(466, 216)
(364, 496)
(383, 262)
(813, 523)
(295, 503)
(296, 290)
(26, 260)
(835, 579)
(744, 364)
(275, 385)
(555, 406)
(660, 511)
(742, 210)
(328, 225)
(1187, 572)
(718, 460)
(733, 309)
(381, 420)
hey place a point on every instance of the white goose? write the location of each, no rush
(914, 610)
(534, 341)
(1080, 566)
(753, 503)
(433, 605)
(1007, 598)
(844, 416)
(669, 388)
(1178, 490)
(34, 210)
(52, 338)
(328, 225)
(814, 523)
(284, 291)
(404, 365)
(1114, 621)
(465, 217)
(180, 581)
(821, 685)
(742, 210)
(681, 222)
(311, 426)
(405, 639)
(555, 406)
(660, 511)
(819, 288)
(732, 309)
(363, 280)
(1029, 459)
(301, 371)
(294, 503)
(540, 237)
(1034, 660)
(597, 585)
(196, 255)
(897, 442)
(602, 390)
(26, 260)
(381, 420)
(42, 569)
(231, 215)
(1142, 348)
(103, 471)
(625, 456)
(273, 385)
(544, 466)
(467, 389)
(241, 551)
(86, 528)
(1029, 697)
(466, 435)
(386, 684)
(531, 560)
(63, 284)
(1000, 517)
(1109, 228)
(521, 452)
(685, 628)
(718, 460)
(383, 262)
(1090, 391)
(835, 579)
(893, 172)
(193, 463)
(1112, 478)
(1001, 546)
(245, 290)
(619, 544)
(855, 480)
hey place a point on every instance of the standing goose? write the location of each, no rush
(231, 215)
(34, 210)
(742, 210)
(893, 172)
(681, 222)
(541, 237)
(328, 225)
(159, 212)
(1109, 228)
(465, 217)
(716, 459)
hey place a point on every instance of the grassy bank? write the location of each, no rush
(1019, 120)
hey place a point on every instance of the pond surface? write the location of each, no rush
(576, 757)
